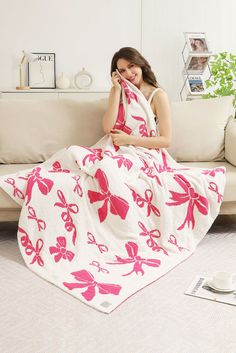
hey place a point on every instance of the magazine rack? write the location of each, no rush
(196, 56)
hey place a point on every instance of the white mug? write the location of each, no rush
(224, 279)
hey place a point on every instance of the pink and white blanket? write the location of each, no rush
(102, 222)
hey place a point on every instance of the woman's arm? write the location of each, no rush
(109, 118)
(162, 111)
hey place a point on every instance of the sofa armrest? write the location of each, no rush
(230, 141)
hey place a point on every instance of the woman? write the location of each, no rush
(133, 67)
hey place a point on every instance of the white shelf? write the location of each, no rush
(76, 94)
(55, 90)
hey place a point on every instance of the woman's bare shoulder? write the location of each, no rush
(160, 94)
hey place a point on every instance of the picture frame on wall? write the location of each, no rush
(197, 42)
(195, 84)
(196, 64)
(42, 71)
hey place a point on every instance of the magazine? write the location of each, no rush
(199, 288)
(195, 84)
(197, 42)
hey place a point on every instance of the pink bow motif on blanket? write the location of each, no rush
(149, 171)
(61, 251)
(56, 168)
(147, 199)
(142, 127)
(34, 177)
(77, 187)
(213, 187)
(121, 160)
(100, 269)
(173, 240)
(94, 155)
(152, 235)
(120, 121)
(212, 172)
(32, 215)
(30, 249)
(132, 250)
(128, 93)
(66, 216)
(91, 240)
(190, 196)
(118, 206)
(16, 192)
(164, 167)
(86, 279)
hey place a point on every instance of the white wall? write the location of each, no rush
(82, 33)
(86, 33)
(164, 22)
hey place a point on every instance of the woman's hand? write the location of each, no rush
(120, 138)
(115, 78)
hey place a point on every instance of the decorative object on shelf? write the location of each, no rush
(27, 57)
(43, 75)
(83, 79)
(195, 84)
(222, 81)
(63, 82)
(196, 59)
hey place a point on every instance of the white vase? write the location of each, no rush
(63, 82)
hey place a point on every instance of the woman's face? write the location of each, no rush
(130, 71)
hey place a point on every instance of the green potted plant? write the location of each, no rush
(223, 75)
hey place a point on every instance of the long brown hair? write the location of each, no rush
(132, 55)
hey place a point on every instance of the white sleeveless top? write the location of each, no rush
(150, 101)
(152, 94)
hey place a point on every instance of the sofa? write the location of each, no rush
(204, 135)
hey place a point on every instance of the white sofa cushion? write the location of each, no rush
(198, 129)
(33, 130)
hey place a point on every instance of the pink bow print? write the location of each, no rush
(132, 250)
(57, 168)
(118, 206)
(212, 172)
(173, 240)
(100, 269)
(60, 250)
(95, 154)
(71, 208)
(66, 216)
(213, 187)
(149, 171)
(32, 215)
(120, 121)
(86, 279)
(121, 160)
(77, 187)
(16, 192)
(189, 196)
(128, 93)
(29, 248)
(164, 167)
(142, 127)
(140, 201)
(44, 185)
(152, 234)
(101, 247)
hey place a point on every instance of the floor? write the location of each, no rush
(37, 317)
